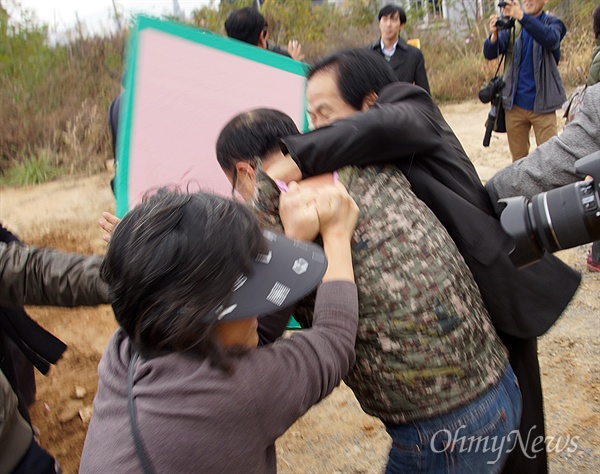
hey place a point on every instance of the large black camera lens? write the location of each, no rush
(566, 216)
(490, 90)
(487, 93)
(555, 220)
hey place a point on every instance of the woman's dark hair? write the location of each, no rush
(359, 72)
(596, 17)
(252, 136)
(173, 259)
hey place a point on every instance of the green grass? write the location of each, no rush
(33, 170)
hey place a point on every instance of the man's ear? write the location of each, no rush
(262, 39)
(368, 101)
(245, 169)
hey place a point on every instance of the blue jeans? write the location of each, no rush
(36, 461)
(474, 438)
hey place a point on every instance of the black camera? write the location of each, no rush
(491, 92)
(504, 22)
(555, 220)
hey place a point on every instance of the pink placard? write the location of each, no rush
(185, 86)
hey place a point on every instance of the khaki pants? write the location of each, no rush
(518, 124)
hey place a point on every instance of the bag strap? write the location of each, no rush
(513, 37)
(135, 432)
(499, 64)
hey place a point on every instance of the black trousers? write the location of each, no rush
(596, 251)
(524, 361)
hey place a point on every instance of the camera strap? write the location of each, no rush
(135, 432)
(499, 64)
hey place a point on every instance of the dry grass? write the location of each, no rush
(55, 99)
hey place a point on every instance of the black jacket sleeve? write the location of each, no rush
(401, 126)
(41, 276)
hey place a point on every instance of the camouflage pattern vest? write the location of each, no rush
(425, 343)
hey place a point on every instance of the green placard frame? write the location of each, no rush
(195, 35)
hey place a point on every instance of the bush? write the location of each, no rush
(54, 98)
(32, 170)
(43, 89)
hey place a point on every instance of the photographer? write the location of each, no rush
(533, 89)
(551, 165)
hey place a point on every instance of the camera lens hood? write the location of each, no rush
(515, 222)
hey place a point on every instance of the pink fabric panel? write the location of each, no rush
(185, 92)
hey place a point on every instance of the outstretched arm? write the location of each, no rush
(403, 124)
(548, 35)
(40, 276)
(552, 164)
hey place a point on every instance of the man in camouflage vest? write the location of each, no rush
(428, 361)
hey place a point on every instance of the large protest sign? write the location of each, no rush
(182, 85)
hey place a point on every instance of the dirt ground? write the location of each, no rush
(335, 436)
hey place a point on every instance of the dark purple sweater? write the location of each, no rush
(195, 418)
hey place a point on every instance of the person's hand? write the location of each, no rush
(298, 212)
(284, 169)
(108, 222)
(338, 213)
(295, 50)
(493, 29)
(513, 9)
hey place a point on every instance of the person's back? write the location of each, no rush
(250, 26)
(188, 277)
(418, 299)
(191, 413)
